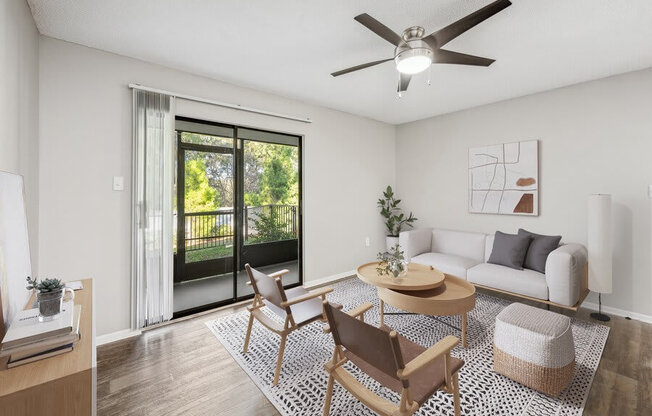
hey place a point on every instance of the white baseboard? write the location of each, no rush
(329, 279)
(128, 333)
(618, 312)
(116, 336)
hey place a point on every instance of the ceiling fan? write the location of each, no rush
(415, 52)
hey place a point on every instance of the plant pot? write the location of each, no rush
(391, 242)
(49, 304)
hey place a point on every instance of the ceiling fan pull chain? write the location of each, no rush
(428, 80)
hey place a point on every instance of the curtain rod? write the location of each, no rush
(219, 103)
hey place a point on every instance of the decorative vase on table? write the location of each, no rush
(390, 242)
(392, 262)
(398, 267)
(49, 296)
(49, 304)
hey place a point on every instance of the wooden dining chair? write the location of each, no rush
(395, 362)
(297, 307)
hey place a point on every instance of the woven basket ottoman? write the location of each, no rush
(535, 348)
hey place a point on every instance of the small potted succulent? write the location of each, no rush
(49, 294)
(392, 262)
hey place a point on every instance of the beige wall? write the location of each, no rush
(595, 137)
(86, 139)
(19, 105)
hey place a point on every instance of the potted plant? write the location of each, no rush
(395, 220)
(49, 296)
(392, 262)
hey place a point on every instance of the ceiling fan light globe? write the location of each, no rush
(413, 61)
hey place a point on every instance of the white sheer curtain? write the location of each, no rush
(153, 176)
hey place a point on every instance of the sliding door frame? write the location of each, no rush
(180, 267)
(238, 209)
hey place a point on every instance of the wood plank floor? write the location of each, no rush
(181, 369)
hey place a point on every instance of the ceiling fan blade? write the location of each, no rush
(443, 36)
(378, 28)
(359, 67)
(443, 56)
(403, 82)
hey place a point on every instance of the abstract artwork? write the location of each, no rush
(504, 178)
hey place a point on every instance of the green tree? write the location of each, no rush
(277, 177)
(271, 174)
(198, 194)
(269, 227)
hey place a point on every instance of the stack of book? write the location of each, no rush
(29, 340)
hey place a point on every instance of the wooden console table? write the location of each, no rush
(60, 385)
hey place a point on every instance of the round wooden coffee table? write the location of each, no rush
(429, 292)
(419, 277)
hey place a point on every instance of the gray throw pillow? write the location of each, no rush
(539, 249)
(509, 250)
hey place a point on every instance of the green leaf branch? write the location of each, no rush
(395, 220)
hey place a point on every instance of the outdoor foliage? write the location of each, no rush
(270, 179)
(271, 174)
(394, 218)
(199, 195)
(269, 227)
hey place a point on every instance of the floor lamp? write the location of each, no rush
(600, 249)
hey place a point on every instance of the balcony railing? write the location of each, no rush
(215, 228)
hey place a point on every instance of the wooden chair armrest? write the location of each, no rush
(356, 312)
(442, 347)
(310, 295)
(279, 273)
(360, 309)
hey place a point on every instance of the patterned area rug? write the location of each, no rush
(302, 386)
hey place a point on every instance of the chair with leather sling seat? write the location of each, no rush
(395, 362)
(297, 307)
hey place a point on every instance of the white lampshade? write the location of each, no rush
(600, 244)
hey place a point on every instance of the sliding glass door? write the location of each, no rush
(270, 201)
(238, 202)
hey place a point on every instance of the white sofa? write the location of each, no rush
(465, 255)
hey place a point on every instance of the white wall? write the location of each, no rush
(85, 127)
(19, 105)
(594, 137)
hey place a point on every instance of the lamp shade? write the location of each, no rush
(600, 243)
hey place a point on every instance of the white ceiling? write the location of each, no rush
(289, 47)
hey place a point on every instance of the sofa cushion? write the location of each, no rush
(540, 247)
(509, 250)
(459, 243)
(489, 246)
(523, 282)
(446, 263)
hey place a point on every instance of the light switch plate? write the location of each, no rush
(118, 183)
